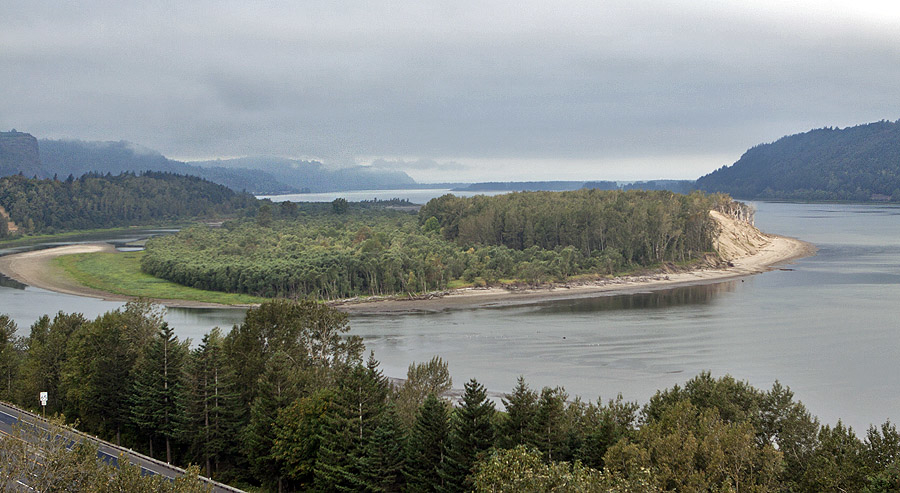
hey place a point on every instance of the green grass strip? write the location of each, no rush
(120, 273)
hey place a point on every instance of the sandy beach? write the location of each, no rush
(748, 250)
(743, 246)
(37, 269)
(780, 251)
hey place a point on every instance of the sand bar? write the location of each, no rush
(749, 251)
(779, 251)
(36, 269)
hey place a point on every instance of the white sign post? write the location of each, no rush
(43, 403)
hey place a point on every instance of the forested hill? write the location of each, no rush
(105, 201)
(62, 158)
(859, 163)
(21, 153)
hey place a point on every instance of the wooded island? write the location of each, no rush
(532, 237)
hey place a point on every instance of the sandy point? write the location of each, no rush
(36, 268)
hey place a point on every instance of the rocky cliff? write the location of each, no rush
(19, 153)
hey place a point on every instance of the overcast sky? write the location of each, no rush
(451, 91)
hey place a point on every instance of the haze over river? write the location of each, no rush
(827, 326)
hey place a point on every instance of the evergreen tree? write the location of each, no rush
(882, 456)
(471, 435)
(616, 421)
(95, 201)
(427, 442)
(882, 446)
(45, 358)
(9, 357)
(349, 427)
(157, 389)
(518, 426)
(264, 215)
(210, 405)
(340, 205)
(787, 424)
(278, 387)
(550, 424)
(385, 454)
(838, 463)
(298, 434)
(98, 373)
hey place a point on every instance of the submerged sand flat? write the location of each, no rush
(749, 250)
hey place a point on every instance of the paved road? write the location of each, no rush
(108, 452)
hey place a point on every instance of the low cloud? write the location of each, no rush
(469, 82)
(419, 165)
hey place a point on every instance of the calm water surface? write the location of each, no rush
(827, 326)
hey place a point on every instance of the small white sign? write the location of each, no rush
(43, 398)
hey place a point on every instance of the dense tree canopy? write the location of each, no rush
(105, 201)
(859, 163)
(285, 401)
(643, 227)
(532, 237)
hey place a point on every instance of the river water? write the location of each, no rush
(828, 326)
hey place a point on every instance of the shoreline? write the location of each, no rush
(779, 250)
(754, 255)
(36, 269)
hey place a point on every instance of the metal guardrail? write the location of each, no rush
(128, 453)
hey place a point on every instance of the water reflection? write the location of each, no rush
(6, 282)
(667, 298)
(194, 323)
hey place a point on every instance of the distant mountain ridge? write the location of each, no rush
(69, 157)
(677, 186)
(313, 176)
(22, 153)
(860, 163)
(521, 186)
